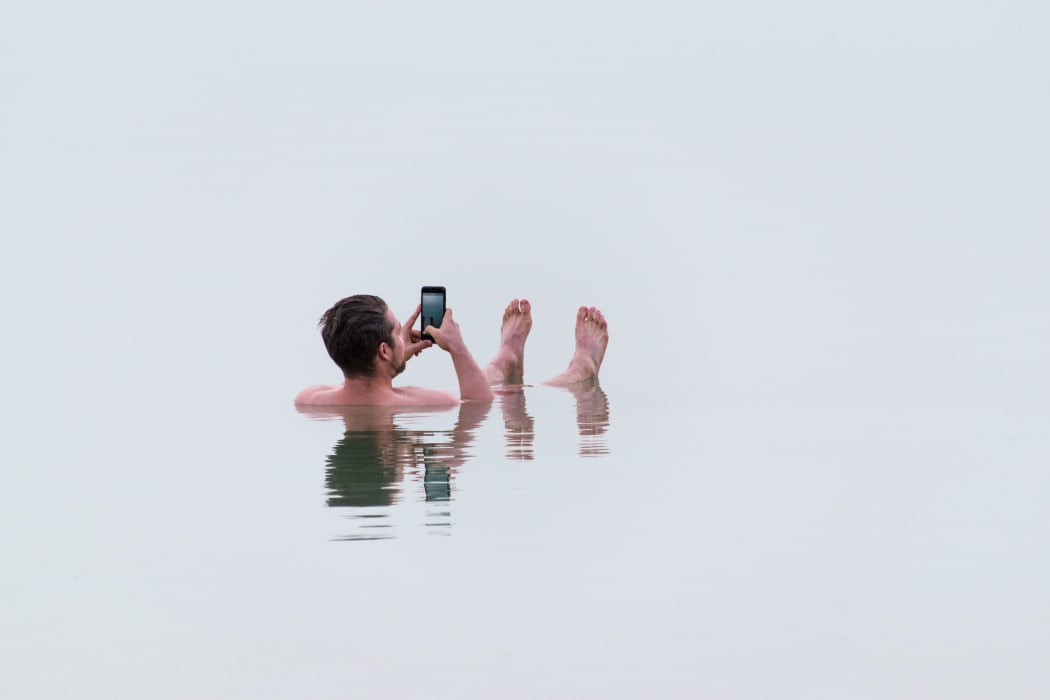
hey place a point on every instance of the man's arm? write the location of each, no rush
(473, 385)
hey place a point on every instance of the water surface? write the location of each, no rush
(394, 467)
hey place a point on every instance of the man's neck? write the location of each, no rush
(377, 385)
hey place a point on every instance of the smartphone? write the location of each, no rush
(433, 301)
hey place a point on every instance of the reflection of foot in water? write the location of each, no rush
(592, 337)
(592, 418)
(508, 364)
(517, 423)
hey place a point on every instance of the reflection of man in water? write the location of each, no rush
(368, 465)
(371, 347)
(365, 468)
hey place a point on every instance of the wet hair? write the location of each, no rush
(353, 330)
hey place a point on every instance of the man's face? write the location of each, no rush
(397, 363)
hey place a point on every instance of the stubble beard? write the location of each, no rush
(399, 367)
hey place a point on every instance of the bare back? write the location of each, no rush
(348, 395)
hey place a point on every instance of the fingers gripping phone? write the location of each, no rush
(433, 302)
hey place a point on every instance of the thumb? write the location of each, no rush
(437, 334)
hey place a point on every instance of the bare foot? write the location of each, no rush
(508, 364)
(592, 337)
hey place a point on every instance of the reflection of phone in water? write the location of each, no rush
(436, 482)
(433, 301)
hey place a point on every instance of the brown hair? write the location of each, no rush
(352, 331)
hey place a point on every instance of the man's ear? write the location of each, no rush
(385, 352)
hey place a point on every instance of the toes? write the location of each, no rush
(589, 314)
(526, 307)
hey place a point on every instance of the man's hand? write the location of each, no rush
(447, 337)
(414, 343)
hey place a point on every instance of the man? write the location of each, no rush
(365, 339)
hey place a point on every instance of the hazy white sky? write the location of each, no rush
(827, 174)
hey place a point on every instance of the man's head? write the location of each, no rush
(354, 331)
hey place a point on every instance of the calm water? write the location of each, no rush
(575, 543)
(394, 472)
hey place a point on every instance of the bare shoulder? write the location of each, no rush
(418, 396)
(316, 395)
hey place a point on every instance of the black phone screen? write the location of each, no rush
(433, 302)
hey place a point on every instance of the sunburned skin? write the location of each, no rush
(506, 367)
(592, 337)
(508, 364)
